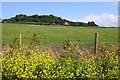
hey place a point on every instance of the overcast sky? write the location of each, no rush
(103, 13)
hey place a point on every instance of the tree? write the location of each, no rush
(46, 20)
(92, 23)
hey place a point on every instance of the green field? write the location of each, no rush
(57, 34)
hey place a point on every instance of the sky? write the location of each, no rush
(59, 0)
(103, 13)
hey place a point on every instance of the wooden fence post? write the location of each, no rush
(96, 43)
(20, 41)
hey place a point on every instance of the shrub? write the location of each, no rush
(26, 63)
(29, 63)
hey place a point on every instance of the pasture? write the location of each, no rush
(65, 62)
(52, 35)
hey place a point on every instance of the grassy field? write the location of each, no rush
(57, 34)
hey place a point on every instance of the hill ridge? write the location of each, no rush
(46, 20)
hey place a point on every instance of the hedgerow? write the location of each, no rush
(29, 63)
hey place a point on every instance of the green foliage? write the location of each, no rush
(108, 60)
(29, 63)
(45, 20)
(25, 62)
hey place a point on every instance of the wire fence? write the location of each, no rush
(36, 40)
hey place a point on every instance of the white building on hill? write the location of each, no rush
(66, 24)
